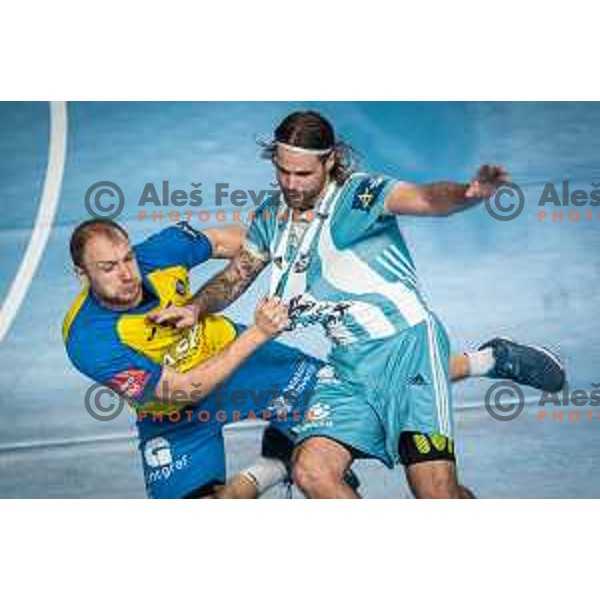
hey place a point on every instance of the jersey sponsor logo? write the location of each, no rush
(320, 411)
(161, 462)
(130, 383)
(157, 453)
(184, 348)
(367, 193)
(326, 375)
(317, 416)
(302, 263)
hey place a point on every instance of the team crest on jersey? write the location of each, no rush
(367, 193)
(180, 287)
(130, 383)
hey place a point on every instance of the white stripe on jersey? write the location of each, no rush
(400, 257)
(440, 380)
(396, 269)
(344, 270)
(372, 319)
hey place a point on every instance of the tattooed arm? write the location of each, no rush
(228, 285)
(217, 294)
(445, 197)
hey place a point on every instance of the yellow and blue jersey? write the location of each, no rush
(125, 350)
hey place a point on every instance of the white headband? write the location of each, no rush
(304, 150)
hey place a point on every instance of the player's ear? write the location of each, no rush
(82, 275)
(330, 162)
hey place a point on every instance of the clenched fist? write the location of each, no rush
(271, 316)
(176, 316)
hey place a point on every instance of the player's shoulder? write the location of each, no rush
(362, 200)
(268, 209)
(263, 223)
(89, 330)
(363, 181)
(178, 244)
(362, 191)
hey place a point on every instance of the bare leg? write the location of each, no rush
(436, 479)
(459, 367)
(319, 467)
(239, 487)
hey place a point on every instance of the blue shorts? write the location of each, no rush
(382, 388)
(184, 452)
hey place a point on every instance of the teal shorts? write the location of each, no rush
(376, 391)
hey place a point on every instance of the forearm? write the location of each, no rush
(228, 285)
(197, 383)
(218, 293)
(443, 198)
(446, 197)
(217, 369)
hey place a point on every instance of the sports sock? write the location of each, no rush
(481, 362)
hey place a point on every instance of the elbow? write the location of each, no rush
(444, 208)
(226, 242)
(444, 211)
(181, 389)
(435, 208)
(231, 241)
(192, 390)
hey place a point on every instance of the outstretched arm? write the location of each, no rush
(445, 197)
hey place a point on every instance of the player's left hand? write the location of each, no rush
(176, 316)
(488, 179)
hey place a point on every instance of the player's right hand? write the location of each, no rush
(487, 181)
(176, 316)
(271, 316)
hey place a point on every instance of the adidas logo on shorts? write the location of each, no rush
(417, 380)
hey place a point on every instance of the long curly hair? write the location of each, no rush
(312, 131)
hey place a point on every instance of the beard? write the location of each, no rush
(121, 301)
(301, 200)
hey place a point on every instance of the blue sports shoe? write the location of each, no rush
(526, 365)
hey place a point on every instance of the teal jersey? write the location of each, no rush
(347, 267)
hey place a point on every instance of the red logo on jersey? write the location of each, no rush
(130, 383)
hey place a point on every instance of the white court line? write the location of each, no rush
(45, 217)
